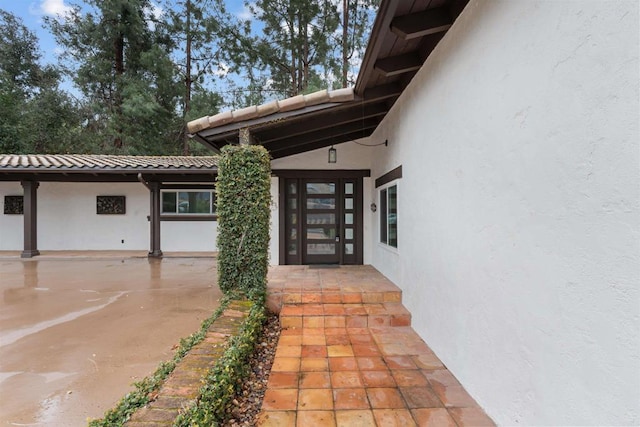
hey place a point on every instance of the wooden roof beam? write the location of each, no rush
(400, 64)
(420, 24)
(322, 143)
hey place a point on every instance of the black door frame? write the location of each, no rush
(341, 176)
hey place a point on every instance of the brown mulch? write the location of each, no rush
(248, 401)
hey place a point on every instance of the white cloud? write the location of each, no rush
(246, 14)
(222, 70)
(54, 8)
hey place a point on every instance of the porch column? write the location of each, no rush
(245, 137)
(30, 218)
(155, 220)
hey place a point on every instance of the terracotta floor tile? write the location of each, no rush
(334, 310)
(283, 380)
(291, 322)
(400, 362)
(373, 363)
(313, 322)
(346, 379)
(291, 310)
(353, 321)
(357, 331)
(329, 331)
(316, 351)
(454, 396)
(351, 298)
(309, 298)
(433, 417)
(316, 419)
(288, 351)
(470, 417)
(277, 419)
(313, 309)
(290, 331)
(378, 379)
(308, 330)
(385, 398)
(286, 364)
(290, 340)
(335, 322)
(359, 418)
(409, 378)
(365, 339)
(338, 340)
(420, 397)
(440, 377)
(342, 364)
(314, 340)
(393, 418)
(315, 380)
(331, 297)
(315, 399)
(314, 364)
(340, 351)
(280, 399)
(365, 350)
(350, 398)
(427, 361)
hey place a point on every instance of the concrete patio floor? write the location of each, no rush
(77, 328)
(347, 356)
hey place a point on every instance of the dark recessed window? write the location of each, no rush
(111, 205)
(188, 202)
(389, 216)
(13, 205)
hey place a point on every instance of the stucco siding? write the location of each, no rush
(519, 208)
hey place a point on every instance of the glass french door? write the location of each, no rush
(322, 216)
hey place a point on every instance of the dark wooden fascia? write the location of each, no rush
(322, 144)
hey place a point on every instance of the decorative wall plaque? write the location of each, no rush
(111, 205)
(13, 205)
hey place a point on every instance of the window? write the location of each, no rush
(389, 215)
(13, 205)
(188, 202)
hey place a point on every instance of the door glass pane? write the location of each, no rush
(348, 188)
(329, 203)
(321, 188)
(348, 249)
(293, 233)
(321, 233)
(348, 203)
(293, 218)
(348, 233)
(293, 188)
(321, 248)
(348, 218)
(293, 203)
(293, 249)
(321, 218)
(383, 216)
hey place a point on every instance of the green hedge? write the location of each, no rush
(244, 199)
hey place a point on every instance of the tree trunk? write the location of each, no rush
(345, 41)
(118, 46)
(187, 79)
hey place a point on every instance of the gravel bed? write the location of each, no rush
(248, 401)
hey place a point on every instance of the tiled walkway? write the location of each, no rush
(347, 356)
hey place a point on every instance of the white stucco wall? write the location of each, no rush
(351, 155)
(67, 220)
(520, 208)
(11, 226)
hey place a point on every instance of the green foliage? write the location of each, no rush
(243, 194)
(224, 379)
(139, 397)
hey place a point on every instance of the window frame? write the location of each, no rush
(383, 212)
(177, 214)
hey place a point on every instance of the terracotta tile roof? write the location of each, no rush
(52, 162)
(298, 102)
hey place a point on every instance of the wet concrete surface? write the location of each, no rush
(76, 333)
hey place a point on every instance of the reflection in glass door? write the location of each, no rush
(321, 238)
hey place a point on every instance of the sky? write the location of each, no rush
(32, 13)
